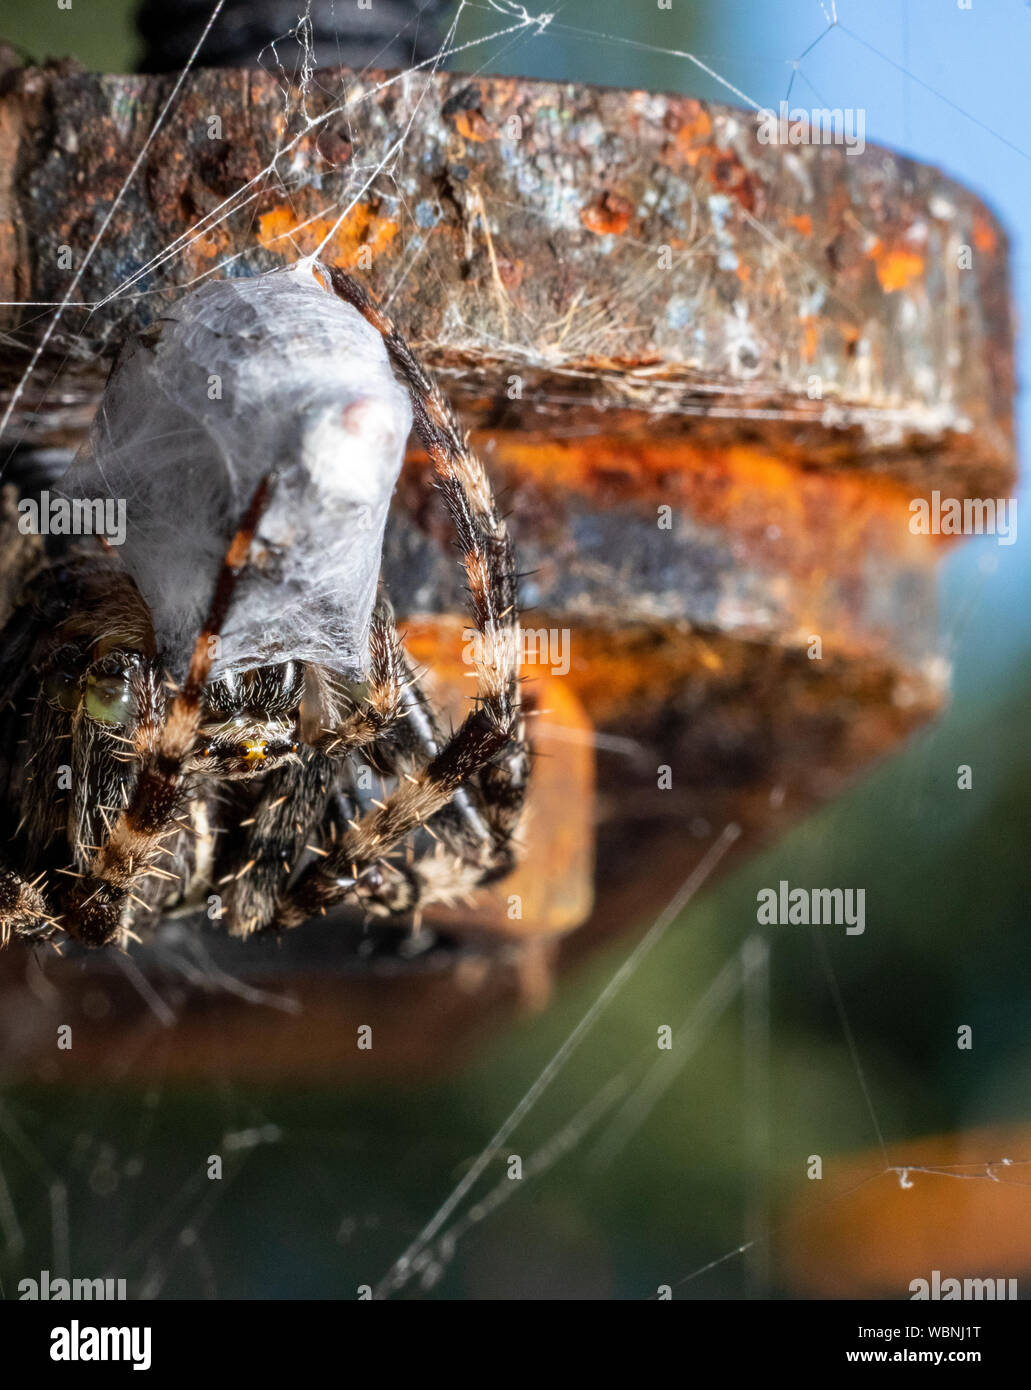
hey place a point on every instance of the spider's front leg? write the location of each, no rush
(96, 903)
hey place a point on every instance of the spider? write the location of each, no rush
(128, 793)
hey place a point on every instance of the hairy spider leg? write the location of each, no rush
(393, 723)
(94, 905)
(24, 911)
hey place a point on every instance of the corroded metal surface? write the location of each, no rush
(640, 262)
(734, 540)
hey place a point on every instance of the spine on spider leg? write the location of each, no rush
(95, 904)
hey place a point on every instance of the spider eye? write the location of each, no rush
(108, 699)
(62, 689)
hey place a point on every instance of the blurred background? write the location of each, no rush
(854, 1040)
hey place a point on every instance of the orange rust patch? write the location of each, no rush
(212, 244)
(672, 469)
(693, 132)
(473, 126)
(815, 533)
(897, 266)
(984, 234)
(282, 231)
(691, 145)
(803, 224)
(770, 480)
(609, 215)
(613, 671)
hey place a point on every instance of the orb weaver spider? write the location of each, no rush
(185, 722)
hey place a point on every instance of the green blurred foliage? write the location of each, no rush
(97, 33)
